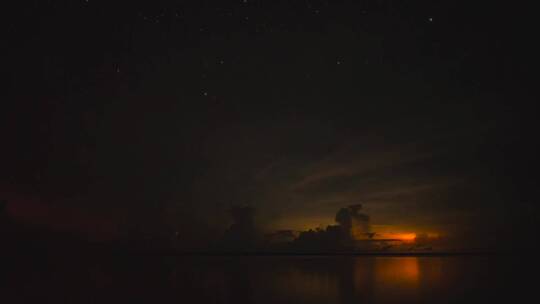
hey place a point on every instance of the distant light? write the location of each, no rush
(430, 19)
(407, 236)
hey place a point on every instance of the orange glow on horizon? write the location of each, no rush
(409, 237)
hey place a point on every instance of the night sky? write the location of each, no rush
(158, 116)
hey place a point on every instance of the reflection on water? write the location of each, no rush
(380, 278)
(397, 271)
(266, 280)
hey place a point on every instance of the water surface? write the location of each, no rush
(270, 279)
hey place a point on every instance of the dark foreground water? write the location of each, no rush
(270, 279)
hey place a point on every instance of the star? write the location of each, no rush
(430, 19)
